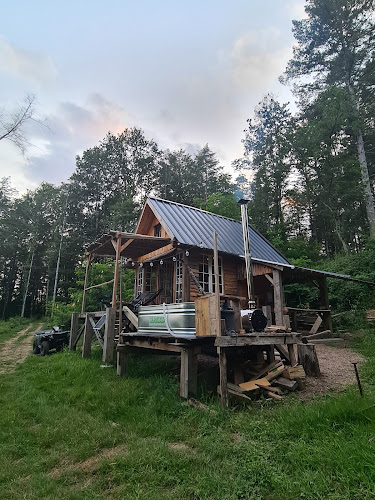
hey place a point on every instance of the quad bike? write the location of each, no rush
(45, 340)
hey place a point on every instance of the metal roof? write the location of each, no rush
(194, 227)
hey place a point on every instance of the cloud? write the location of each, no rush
(74, 128)
(27, 64)
(258, 58)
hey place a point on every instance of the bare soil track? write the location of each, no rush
(16, 349)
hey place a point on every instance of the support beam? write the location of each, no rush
(73, 331)
(122, 362)
(324, 303)
(188, 373)
(87, 338)
(185, 280)
(292, 355)
(109, 335)
(278, 297)
(89, 257)
(115, 278)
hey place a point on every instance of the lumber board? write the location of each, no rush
(276, 372)
(291, 385)
(267, 369)
(294, 372)
(326, 341)
(244, 340)
(252, 385)
(316, 325)
(131, 316)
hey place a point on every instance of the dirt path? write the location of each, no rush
(16, 349)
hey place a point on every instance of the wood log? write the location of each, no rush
(308, 359)
(294, 372)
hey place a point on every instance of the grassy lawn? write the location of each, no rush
(70, 429)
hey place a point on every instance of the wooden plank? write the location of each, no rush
(73, 331)
(316, 325)
(283, 352)
(294, 372)
(160, 346)
(242, 340)
(276, 372)
(131, 316)
(87, 338)
(252, 385)
(318, 335)
(325, 341)
(291, 385)
(267, 369)
(109, 335)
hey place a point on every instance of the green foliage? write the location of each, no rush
(221, 204)
(345, 295)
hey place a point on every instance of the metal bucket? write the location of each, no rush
(155, 320)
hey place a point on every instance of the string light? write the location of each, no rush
(141, 264)
(161, 262)
(133, 263)
(151, 264)
(174, 259)
(187, 253)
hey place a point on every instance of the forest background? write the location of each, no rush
(309, 176)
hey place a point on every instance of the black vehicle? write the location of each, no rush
(45, 340)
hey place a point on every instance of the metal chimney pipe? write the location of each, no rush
(246, 244)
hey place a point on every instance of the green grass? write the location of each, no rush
(60, 410)
(13, 325)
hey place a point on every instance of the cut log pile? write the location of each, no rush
(272, 381)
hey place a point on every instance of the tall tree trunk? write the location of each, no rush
(369, 197)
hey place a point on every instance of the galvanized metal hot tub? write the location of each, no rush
(167, 319)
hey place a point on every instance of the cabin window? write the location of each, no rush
(150, 280)
(140, 280)
(179, 278)
(207, 274)
(157, 230)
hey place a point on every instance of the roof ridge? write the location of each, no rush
(193, 208)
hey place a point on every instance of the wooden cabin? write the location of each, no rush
(171, 251)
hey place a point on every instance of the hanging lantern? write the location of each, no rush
(161, 262)
(151, 264)
(187, 253)
(174, 259)
(141, 264)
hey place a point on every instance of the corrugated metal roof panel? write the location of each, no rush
(192, 226)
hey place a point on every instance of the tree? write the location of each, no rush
(336, 47)
(267, 147)
(12, 124)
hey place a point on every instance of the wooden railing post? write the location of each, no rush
(109, 334)
(73, 331)
(87, 338)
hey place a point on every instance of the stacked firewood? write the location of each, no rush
(272, 381)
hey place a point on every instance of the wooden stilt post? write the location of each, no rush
(122, 362)
(115, 279)
(88, 263)
(278, 297)
(109, 335)
(188, 374)
(292, 355)
(73, 331)
(220, 350)
(324, 303)
(120, 308)
(87, 338)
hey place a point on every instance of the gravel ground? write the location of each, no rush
(337, 371)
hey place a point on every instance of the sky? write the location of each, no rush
(188, 73)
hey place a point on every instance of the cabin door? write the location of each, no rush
(166, 282)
